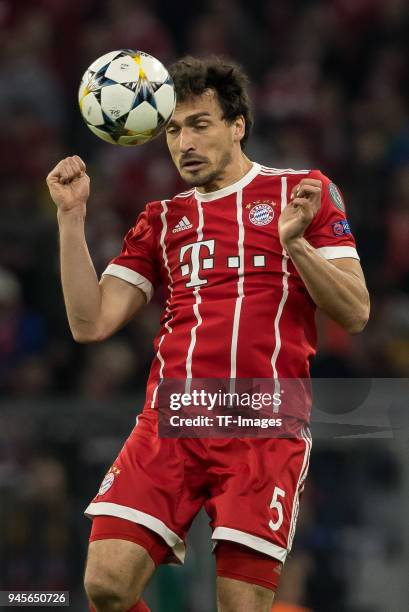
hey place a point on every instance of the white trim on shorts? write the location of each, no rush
(141, 518)
(252, 541)
(306, 436)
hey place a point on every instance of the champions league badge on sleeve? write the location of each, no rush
(261, 213)
(341, 227)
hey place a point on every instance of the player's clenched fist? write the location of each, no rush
(69, 185)
(305, 202)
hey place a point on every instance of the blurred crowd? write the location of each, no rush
(330, 91)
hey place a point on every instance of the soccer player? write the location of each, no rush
(246, 254)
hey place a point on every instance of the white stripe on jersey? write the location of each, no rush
(284, 267)
(184, 194)
(300, 485)
(337, 252)
(198, 301)
(132, 277)
(265, 170)
(166, 263)
(240, 284)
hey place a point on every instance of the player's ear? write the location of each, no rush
(239, 125)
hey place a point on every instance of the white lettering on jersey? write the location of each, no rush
(207, 263)
(196, 263)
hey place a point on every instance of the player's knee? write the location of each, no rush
(107, 593)
(238, 596)
(116, 571)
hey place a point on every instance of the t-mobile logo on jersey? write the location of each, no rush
(207, 262)
(200, 262)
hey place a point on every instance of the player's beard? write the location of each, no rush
(210, 177)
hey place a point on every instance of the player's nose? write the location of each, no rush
(186, 141)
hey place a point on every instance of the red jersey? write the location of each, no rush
(236, 306)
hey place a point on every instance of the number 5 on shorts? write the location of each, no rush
(277, 505)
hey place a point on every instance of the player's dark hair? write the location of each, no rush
(192, 77)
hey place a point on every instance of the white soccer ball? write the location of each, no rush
(126, 97)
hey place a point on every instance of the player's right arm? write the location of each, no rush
(95, 309)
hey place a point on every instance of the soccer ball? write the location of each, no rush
(126, 97)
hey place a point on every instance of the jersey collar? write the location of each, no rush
(233, 188)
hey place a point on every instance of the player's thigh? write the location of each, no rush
(238, 596)
(117, 569)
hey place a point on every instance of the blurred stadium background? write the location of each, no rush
(330, 90)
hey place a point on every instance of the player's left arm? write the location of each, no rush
(336, 285)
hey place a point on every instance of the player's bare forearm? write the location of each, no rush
(69, 187)
(95, 309)
(340, 293)
(79, 280)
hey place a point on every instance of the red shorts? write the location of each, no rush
(250, 488)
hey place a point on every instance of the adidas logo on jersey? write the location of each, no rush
(183, 224)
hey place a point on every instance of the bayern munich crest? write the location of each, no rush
(261, 213)
(107, 483)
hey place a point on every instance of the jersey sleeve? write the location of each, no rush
(329, 232)
(137, 263)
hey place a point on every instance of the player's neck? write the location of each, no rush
(232, 173)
